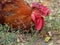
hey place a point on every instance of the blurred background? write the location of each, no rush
(52, 25)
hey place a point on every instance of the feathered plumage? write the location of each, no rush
(17, 13)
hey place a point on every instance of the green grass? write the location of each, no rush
(52, 22)
(8, 38)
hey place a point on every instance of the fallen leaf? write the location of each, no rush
(47, 39)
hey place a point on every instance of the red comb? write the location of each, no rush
(43, 9)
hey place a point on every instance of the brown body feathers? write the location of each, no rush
(16, 13)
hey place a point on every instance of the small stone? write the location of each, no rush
(18, 40)
(50, 33)
(51, 43)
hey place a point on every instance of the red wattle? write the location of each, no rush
(37, 19)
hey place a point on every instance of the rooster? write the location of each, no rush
(19, 14)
